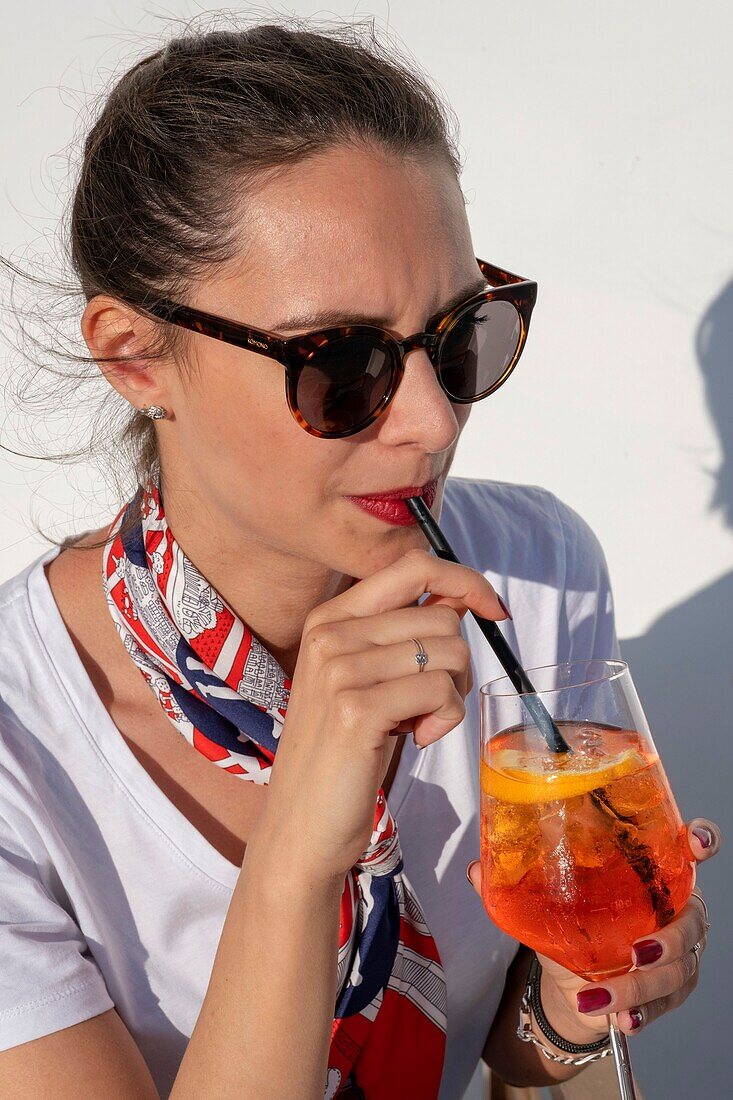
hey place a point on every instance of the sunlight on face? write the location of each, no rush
(347, 230)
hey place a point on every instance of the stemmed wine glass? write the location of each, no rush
(583, 851)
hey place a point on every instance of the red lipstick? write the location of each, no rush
(390, 506)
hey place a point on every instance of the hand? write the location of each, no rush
(356, 682)
(645, 993)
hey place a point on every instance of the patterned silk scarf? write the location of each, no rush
(228, 696)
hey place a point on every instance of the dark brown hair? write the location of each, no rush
(184, 130)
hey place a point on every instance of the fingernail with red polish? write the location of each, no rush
(647, 951)
(591, 999)
(471, 864)
(504, 607)
(636, 1018)
(703, 835)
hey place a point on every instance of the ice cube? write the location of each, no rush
(591, 743)
(634, 794)
(513, 839)
(512, 862)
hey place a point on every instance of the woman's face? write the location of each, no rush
(369, 237)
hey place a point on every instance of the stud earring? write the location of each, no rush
(154, 412)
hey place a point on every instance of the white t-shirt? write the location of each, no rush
(109, 897)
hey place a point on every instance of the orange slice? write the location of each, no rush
(514, 776)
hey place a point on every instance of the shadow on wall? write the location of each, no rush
(683, 670)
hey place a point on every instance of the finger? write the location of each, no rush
(432, 696)
(638, 987)
(407, 579)
(461, 607)
(431, 601)
(387, 627)
(335, 640)
(672, 941)
(704, 838)
(381, 663)
(696, 898)
(631, 1021)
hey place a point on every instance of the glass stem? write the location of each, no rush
(621, 1057)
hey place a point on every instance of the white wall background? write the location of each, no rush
(597, 140)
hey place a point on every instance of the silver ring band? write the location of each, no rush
(700, 898)
(421, 656)
(696, 947)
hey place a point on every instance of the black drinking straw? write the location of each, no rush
(537, 710)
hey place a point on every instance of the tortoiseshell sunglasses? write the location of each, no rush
(339, 380)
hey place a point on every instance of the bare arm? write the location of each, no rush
(264, 1027)
(97, 1057)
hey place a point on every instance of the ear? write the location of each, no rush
(111, 329)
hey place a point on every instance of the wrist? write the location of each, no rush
(534, 1022)
(274, 851)
(565, 1018)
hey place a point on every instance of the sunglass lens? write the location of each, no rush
(343, 382)
(477, 350)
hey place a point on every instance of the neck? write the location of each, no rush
(272, 591)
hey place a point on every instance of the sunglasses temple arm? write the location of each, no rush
(498, 277)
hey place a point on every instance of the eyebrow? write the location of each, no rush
(334, 318)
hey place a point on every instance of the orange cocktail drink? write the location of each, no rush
(582, 852)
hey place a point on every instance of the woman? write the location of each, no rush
(171, 929)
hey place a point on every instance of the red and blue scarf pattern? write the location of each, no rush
(228, 696)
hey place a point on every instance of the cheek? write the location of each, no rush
(238, 406)
(249, 449)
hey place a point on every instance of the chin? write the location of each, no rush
(383, 552)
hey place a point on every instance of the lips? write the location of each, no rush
(391, 506)
(398, 494)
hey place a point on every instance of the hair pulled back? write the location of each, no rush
(161, 192)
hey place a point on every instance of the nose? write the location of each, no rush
(420, 411)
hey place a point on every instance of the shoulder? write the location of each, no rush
(16, 599)
(20, 804)
(42, 713)
(526, 507)
(15, 588)
(26, 678)
(45, 595)
(544, 557)
(521, 530)
(17, 627)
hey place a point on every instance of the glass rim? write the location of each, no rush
(617, 664)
